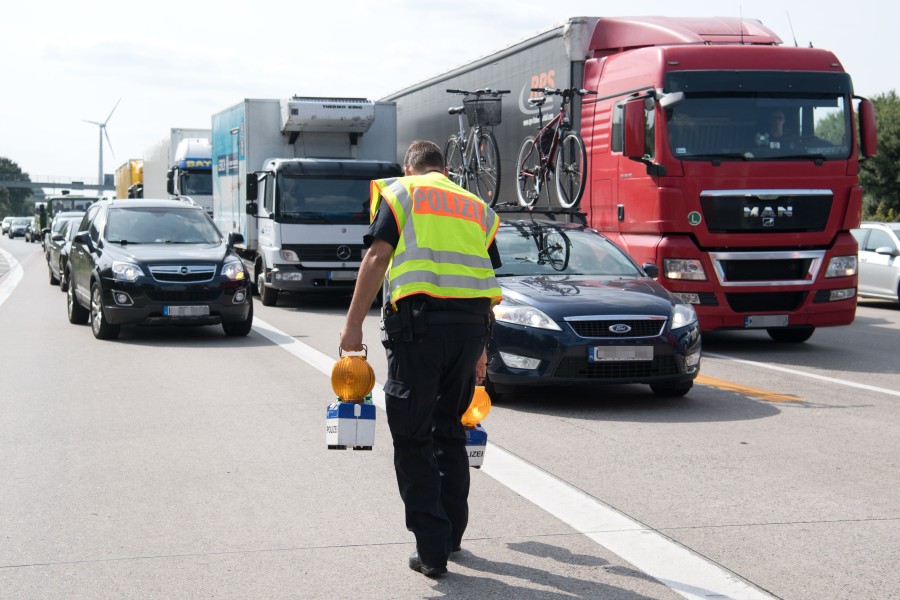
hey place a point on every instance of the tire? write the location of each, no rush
(78, 315)
(54, 280)
(791, 335)
(100, 328)
(268, 296)
(671, 390)
(454, 158)
(487, 171)
(528, 184)
(571, 170)
(239, 328)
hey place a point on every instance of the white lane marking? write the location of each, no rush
(853, 384)
(12, 277)
(674, 565)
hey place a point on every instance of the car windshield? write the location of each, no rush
(22, 221)
(142, 225)
(538, 249)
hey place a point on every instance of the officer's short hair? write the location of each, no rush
(423, 155)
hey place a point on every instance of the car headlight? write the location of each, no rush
(126, 271)
(683, 315)
(841, 266)
(684, 268)
(522, 314)
(234, 271)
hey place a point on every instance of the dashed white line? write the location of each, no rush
(9, 281)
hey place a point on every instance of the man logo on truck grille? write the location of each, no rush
(344, 252)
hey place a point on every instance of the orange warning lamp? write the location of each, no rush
(352, 377)
(478, 409)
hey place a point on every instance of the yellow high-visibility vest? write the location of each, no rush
(445, 232)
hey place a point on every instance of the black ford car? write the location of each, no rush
(155, 262)
(577, 310)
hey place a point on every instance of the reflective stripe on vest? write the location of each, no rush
(418, 202)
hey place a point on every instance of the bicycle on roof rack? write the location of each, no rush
(473, 157)
(556, 149)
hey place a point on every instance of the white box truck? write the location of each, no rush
(180, 164)
(292, 176)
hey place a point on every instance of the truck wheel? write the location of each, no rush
(791, 335)
(78, 314)
(268, 296)
(101, 329)
(671, 390)
(239, 328)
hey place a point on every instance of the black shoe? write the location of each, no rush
(417, 565)
(457, 549)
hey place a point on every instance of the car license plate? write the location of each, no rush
(342, 275)
(186, 311)
(620, 353)
(752, 321)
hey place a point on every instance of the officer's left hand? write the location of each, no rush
(351, 339)
(481, 368)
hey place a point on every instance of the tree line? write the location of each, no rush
(14, 202)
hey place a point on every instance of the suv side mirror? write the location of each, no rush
(651, 270)
(235, 238)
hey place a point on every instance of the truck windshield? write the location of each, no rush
(760, 127)
(196, 183)
(331, 200)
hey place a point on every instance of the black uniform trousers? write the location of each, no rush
(430, 384)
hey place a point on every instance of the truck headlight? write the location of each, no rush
(841, 266)
(126, 271)
(234, 271)
(290, 255)
(523, 314)
(683, 315)
(684, 268)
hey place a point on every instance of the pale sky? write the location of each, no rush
(175, 64)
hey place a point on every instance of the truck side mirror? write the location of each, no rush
(252, 187)
(170, 182)
(633, 146)
(868, 133)
(252, 209)
(651, 270)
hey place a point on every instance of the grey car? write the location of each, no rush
(879, 260)
(17, 227)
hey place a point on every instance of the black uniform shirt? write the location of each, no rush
(384, 227)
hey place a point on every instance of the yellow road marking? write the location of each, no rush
(746, 390)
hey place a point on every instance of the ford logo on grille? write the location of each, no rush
(620, 328)
(344, 252)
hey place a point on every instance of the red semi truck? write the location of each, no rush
(688, 169)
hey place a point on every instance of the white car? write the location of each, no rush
(6, 222)
(879, 260)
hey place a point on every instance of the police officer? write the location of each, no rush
(435, 242)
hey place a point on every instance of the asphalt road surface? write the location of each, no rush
(179, 463)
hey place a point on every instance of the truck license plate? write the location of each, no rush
(620, 353)
(186, 311)
(342, 275)
(755, 321)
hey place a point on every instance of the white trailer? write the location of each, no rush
(292, 176)
(180, 164)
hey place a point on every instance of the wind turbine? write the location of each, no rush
(103, 132)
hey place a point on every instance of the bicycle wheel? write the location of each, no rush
(571, 170)
(487, 171)
(453, 154)
(556, 250)
(528, 173)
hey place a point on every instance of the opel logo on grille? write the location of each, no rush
(620, 328)
(344, 252)
(184, 270)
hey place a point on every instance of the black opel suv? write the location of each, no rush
(155, 262)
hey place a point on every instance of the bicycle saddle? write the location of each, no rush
(539, 101)
(455, 110)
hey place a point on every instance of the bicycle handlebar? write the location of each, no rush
(484, 92)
